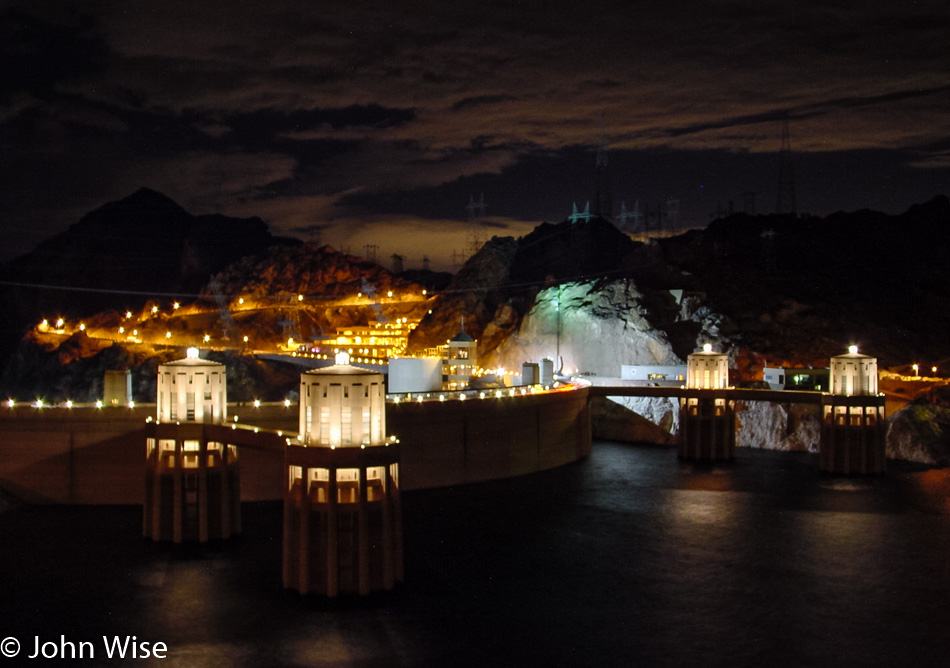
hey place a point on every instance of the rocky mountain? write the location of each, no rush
(508, 294)
(133, 249)
(799, 288)
(777, 290)
(774, 290)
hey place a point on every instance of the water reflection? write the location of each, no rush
(627, 558)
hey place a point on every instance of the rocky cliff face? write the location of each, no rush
(501, 284)
(594, 327)
(481, 294)
(314, 271)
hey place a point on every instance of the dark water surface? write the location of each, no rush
(629, 558)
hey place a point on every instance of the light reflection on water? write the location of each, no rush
(627, 558)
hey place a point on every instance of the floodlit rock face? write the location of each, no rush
(793, 427)
(920, 432)
(477, 294)
(663, 414)
(613, 419)
(595, 328)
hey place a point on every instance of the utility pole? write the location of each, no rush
(785, 200)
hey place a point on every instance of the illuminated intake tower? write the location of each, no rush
(852, 429)
(192, 486)
(342, 514)
(707, 416)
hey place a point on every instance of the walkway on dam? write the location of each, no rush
(615, 387)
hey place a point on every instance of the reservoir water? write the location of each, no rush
(628, 558)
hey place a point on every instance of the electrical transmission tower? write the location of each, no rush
(369, 252)
(768, 251)
(370, 293)
(288, 306)
(425, 263)
(585, 216)
(476, 214)
(603, 200)
(476, 210)
(227, 322)
(673, 213)
(397, 263)
(474, 243)
(627, 215)
(785, 201)
(748, 203)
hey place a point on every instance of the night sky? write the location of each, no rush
(375, 122)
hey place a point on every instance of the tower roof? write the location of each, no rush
(191, 362)
(342, 370)
(853, 354)
(462, 336)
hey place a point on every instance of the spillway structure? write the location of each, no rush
(342, 511)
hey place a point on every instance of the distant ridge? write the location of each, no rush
(143, 243)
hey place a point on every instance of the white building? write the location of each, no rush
(415, 374)
(673, 374)
(461, 361)
(117, 388)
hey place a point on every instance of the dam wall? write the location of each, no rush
(88, 455)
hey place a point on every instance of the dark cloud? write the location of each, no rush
(36, 54)
(365, 114)
(481, 100)
(277, 122)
